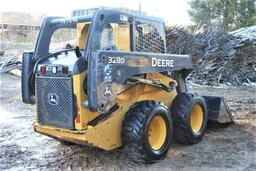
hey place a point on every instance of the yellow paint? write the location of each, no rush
(82, 33)
(122, 36)
(196, 118)
(85, 115)
(107, 134)
(157, 132)
(157, 94)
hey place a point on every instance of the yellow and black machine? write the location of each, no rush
(116, 87)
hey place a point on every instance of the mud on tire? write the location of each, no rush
(138, 137)
(188, 128)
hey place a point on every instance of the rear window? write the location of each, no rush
(66, 38)
(63, 38)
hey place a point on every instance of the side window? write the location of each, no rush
(107, 38)
(148, 38)
(116, 37)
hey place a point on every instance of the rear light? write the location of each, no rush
(54, 70)
(78, 118)
(65, 70)
(43, 69)
(78, 115)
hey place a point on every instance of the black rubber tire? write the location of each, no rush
(181, 109)
(63, 142)
(135, 131)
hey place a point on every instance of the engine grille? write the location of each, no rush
(55, 105)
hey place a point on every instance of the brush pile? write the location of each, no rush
(219, 57)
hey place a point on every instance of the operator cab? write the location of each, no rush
(66, 50)
(65, 44)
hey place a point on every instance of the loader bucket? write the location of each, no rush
(218, 109)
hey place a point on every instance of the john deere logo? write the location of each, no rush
(53, 99)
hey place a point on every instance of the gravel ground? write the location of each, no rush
(231, 147)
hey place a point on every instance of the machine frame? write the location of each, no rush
(102, 85)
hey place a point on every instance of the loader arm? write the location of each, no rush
(108, 72)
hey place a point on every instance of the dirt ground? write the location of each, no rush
(231, 147)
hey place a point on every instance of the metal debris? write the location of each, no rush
(9, 65)
(219, 57)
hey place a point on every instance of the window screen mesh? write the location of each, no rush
(148, 39)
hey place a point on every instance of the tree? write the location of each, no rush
(229, 14)
(246, 13)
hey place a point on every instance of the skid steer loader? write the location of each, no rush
(116, 87)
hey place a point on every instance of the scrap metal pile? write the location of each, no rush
(219, 57)
(12, 65)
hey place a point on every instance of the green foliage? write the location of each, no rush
(229, 14)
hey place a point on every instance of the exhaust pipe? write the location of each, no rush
(218, 109)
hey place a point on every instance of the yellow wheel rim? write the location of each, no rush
(196, 119)
(157, 132)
